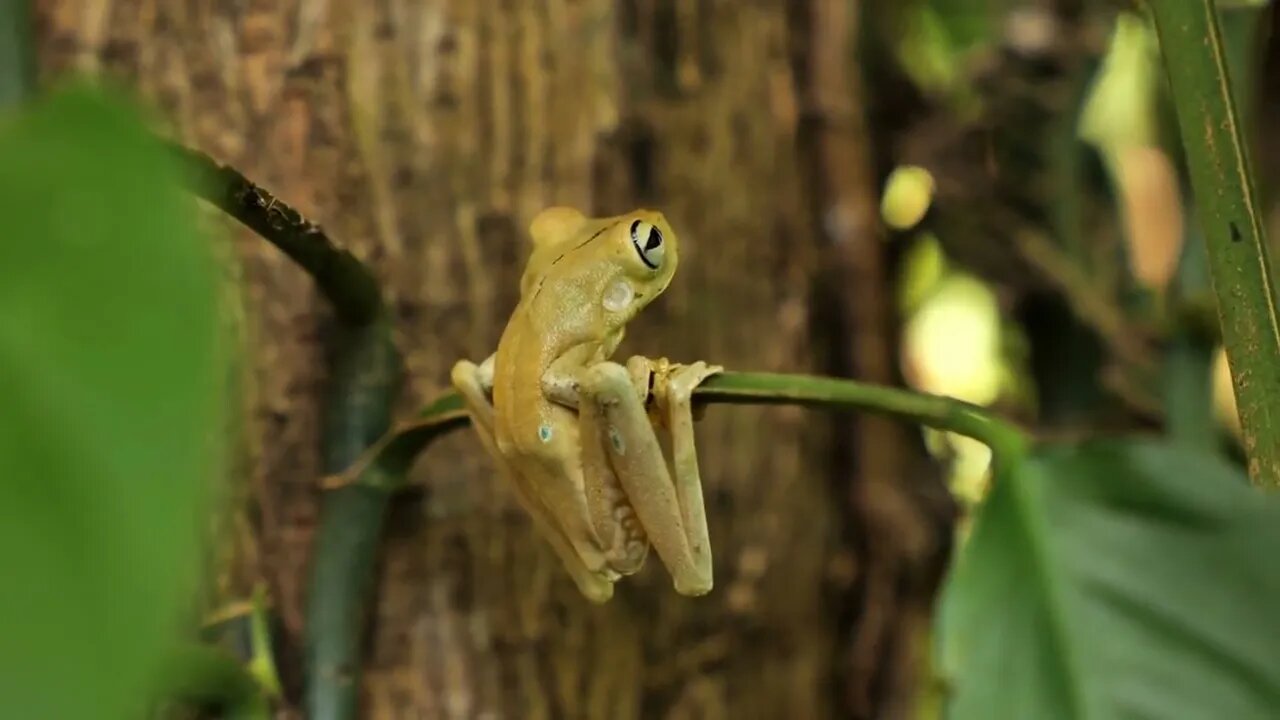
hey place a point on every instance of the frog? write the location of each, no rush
(600, 454)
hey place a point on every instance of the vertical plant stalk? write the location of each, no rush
(345, 551)
(1227, 200)
(1188, 371)
(17, 53)
(364, 381)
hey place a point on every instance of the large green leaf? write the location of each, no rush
(110, 407)
(1117, 579)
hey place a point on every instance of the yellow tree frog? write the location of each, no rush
(571, 429)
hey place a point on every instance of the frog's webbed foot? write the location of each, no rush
(475, 384)
(668, 387)
(670, 513)
(620, 532)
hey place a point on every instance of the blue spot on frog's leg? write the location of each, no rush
(544, 433)
(616, 438)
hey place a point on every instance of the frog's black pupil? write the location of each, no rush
(655, 239)
(652, 242)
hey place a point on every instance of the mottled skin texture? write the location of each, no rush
(570, 428)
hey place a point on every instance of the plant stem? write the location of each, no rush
(1221, 179)
(365, 378)
(342, 279)
(1188, 362)
(345, 550)
(395, 452)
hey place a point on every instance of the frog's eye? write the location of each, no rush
(647, 240)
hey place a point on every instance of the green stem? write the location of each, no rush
(364, 381)
(390, 456)
(346, 544)
(1227, 199)
(1188, 362)
(343, 279)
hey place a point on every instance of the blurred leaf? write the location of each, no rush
(971, 23)
(926, 51)
(951, 343)
(935, 39)
(907, 195)
(263, 664)
(213, 680)
(110, 376)
(1120, 109)
(1224, 394)
(924, 266)
(1117, 579)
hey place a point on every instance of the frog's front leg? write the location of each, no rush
(475, 384)
(611, 407)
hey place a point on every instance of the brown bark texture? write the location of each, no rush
(424, 135)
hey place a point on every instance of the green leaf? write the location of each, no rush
(1117, 579)
(971, 24)
(213, 680)
(110, 407)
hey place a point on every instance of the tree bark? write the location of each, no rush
(425, 136)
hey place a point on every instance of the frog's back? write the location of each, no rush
(524, 417)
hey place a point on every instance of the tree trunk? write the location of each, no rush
(424, 136)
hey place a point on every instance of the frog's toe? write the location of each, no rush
(685, 378)
(628, 558)
(693, 586)
(596, 588)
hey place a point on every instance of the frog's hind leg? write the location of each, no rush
(613, 518)
(636, 456)
(475, 383)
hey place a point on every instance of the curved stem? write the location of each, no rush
(365, 378)
(392, 455)
(341, 277)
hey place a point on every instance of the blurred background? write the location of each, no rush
(1038, 256)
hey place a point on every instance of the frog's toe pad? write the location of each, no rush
(596, 588)
(694, 587)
